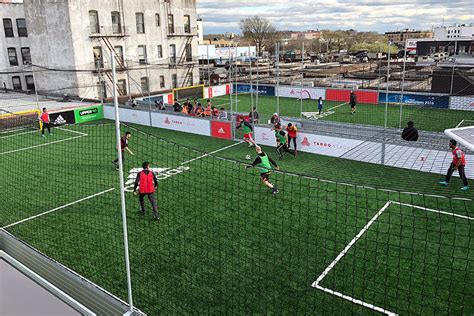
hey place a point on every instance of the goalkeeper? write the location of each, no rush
(264, 163)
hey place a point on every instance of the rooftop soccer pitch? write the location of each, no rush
(224, 244)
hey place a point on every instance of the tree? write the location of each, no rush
(259, 31)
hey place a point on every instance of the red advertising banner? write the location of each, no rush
(227, 89)
(170, 98)
(368, 97)
(221, 130)
(210, 93)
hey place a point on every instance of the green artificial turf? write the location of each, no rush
(224, 244)
(425, 118)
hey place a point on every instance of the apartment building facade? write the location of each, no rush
(154, 44)
(15, 57)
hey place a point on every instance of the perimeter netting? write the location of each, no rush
(224, 244)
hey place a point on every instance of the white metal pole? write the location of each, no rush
(403, 85)
(388, 81)
(302, 81)
(236, 77)
(208, 68)
(278, 77)
(36, 88)
(122, 186)
(251, 84)
(454, 63)
(256, 96)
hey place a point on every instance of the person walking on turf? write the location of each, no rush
(282, 142)
(320, 105)
(353, 102)
(45, 122)
(124, 147)
(254, 116)
(264, 163)
(292, 133)
(146, 183)
(459, 164)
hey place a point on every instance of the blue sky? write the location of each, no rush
(364, 15)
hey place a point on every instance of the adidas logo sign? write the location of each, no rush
(60, 120)
(221, 131)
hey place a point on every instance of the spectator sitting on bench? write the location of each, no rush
(199, 110)
(410, 133)
(222, 114)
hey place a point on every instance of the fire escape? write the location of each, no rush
(104, 34)
(185, 59)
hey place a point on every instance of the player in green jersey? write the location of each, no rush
(264, 163)
(282, 142)
(248, 129)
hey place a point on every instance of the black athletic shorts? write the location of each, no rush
(353, 105)
(265, 176)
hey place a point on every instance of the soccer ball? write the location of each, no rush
(248, 157)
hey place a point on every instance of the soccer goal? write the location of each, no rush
(463, 135)
(192, 92)
(11, 122)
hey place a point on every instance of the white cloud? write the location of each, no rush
(366, 15)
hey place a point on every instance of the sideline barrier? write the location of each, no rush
(216, 91)
(363, 96)
(296, 92)
(465, 103)
(399, 156)
(180, 123)
(166, 98)
(263, 90)
(426, 100)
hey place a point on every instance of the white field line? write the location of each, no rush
(341, 255)
(41, 145)
(58, 208)
(13, 130)
(211, 153)
(337, 106)
(316, 285)
(18, 134)
(435, 211)
(72, 131)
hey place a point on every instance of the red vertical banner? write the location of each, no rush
(221, 130)
(209, 90)
(170, 98)
(227, 89)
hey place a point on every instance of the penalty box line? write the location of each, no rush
(316, 283)
(58, 208)
(79, 135)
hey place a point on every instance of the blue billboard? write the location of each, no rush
(263, 90)
(433, 101)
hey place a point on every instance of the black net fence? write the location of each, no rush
(224, 243)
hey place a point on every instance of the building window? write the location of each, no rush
(98, 59)
(189, 52)
(119, 53)
(170, 24)
(187, 24)
(21, 25)
(160, 51)
(116, 23)
(157, 20)
(162, 81)
(140, 19)
(173, 54)
(12, 57)
(26, 55)
(144, 84)
(174, 80)
(122, 87)
(16, 83)
(94, 26)
(8, 27)
(142, 60)
(30, 83)
(102, 90)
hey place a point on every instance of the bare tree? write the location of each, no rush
(260, 31)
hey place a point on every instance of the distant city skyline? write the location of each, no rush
(363, 15)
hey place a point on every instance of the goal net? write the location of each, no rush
(11, 122)
(192, 92)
